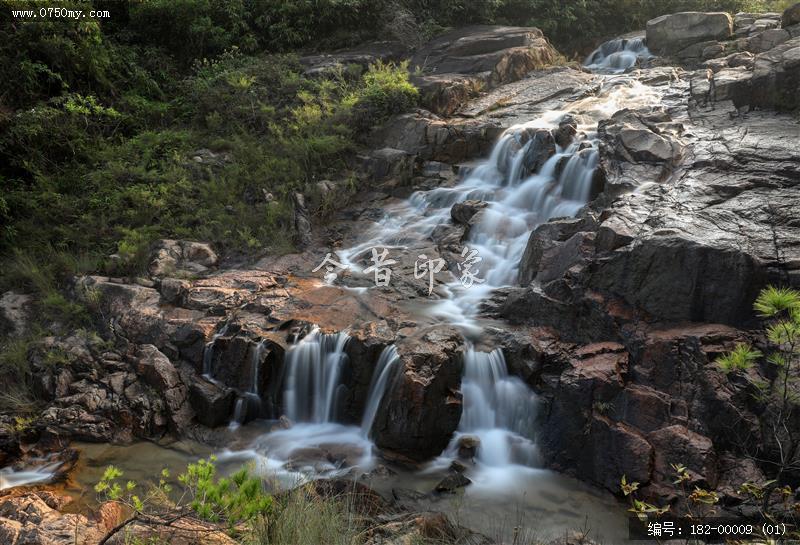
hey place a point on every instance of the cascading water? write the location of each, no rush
(208, 353)
(618, 55)
(524, 182)
(312, 379)
(249, 403)
(315, 444)
(10, 477)
(384, 369)
(498, 409)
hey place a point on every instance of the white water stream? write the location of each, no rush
(381, 376)
(617, 56)
(36, 474)
(315, 443)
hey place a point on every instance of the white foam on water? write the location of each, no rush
(618, 55)
(11, 477)
(381, 375)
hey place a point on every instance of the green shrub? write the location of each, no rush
(385, 91)
(238, 498)
(739, 359)
(235, 500)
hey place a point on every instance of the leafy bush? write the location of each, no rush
(386, 91)
(233, 501)
(739, 359)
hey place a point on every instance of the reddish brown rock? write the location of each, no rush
(679, 445)
(424, 404)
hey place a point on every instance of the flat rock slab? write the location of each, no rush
(523, 100)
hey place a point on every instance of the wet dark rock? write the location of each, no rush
(468, 446)
(452, 483)
(634, 403)
(423, 407)
(212, 404)
(541, 146)
(363, 351)
(546, 248)
(678, 445)
(791, 16)
(462, 212)
(567, 128)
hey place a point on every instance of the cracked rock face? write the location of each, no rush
(458, 64)
(651, 280)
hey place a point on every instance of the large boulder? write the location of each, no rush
(432, 138)
(183, 257)
(791, 16)
(419, 415)
(668, 34)
(545, 247)
(212, 403)
(776, 77)
(462, 212)
(456, 65)
(389, 163)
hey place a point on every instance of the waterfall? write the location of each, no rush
(257, 355)
(616, 56)
(383, 371)
(208, 353)
(313, 366)
(498, 409)
(10, 477)
(248, 405)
